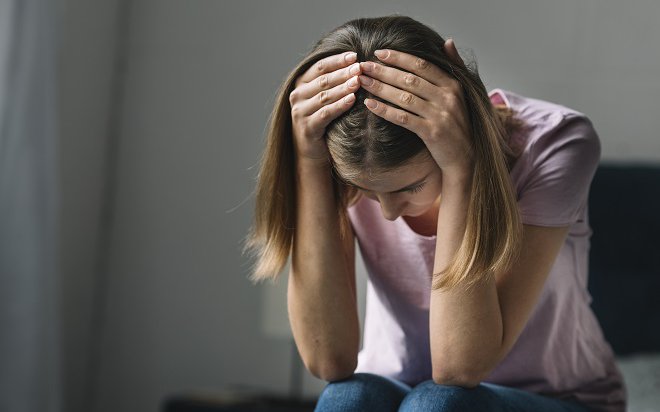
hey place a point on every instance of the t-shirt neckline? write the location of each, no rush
(403, 221)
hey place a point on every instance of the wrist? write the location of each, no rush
(322, 163)
(458, 176)
(308, 169)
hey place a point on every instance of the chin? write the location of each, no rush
(414, 214)
(419, 212)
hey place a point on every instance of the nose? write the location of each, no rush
(391, 209)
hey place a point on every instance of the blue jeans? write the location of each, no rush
(366, 392)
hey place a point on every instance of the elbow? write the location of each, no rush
(466, 374)
(334, 371)
(449, 378)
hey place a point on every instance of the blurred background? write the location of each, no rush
(130, 134)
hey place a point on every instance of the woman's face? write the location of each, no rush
(409, 190)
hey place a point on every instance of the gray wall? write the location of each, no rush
(86, 85)
(178, 313)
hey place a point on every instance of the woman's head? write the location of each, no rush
(359, 140)
(385, 157)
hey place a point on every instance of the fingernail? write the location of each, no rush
(367, 66)
(370, 103)
(367, 81)
(349, 98)
(382, 54)
(355, 69)
(350, 57)
(353, 81)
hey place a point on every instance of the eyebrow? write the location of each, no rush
(403, 189)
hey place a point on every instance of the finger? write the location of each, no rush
(452, 52)
(308, 106)
(322, 117)
(397, 116)
(401, 98)
(399, 78)
(327, 81)
(417, 65)
(328, 65)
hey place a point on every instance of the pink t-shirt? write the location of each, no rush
(561, 352)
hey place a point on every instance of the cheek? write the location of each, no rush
(420, 199)
(428, 196)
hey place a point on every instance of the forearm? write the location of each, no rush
(321, 296)
(465, 328)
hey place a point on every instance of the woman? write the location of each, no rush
(470, 212)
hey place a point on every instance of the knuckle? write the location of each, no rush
(295, 111)
(323, 81)
(293, 96)
(407, 98)
(323, 96)
(320, 66)
(444, 115)
(411, 80)
(402, 117)
(421, 63)
(324, 113)
(452, 101)
(434, 133)
(455, 86)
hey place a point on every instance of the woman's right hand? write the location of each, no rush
(322, 93)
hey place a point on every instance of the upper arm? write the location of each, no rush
(555, 188)
(552, 197)
(519, 288)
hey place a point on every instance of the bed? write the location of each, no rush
(624, 273)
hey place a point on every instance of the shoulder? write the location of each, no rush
(532, 109)
(550, 127)
(561, 153)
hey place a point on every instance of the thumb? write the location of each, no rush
(450, 49)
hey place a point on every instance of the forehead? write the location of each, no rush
(393, 179)
(395, 174)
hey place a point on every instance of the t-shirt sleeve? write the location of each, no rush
(563, 163)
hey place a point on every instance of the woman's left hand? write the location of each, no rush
(433, 101)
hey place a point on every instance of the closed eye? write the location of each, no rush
(417, 188)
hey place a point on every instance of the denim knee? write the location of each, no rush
(361, 392)
(432, 397)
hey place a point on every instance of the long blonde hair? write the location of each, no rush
(493, 229)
